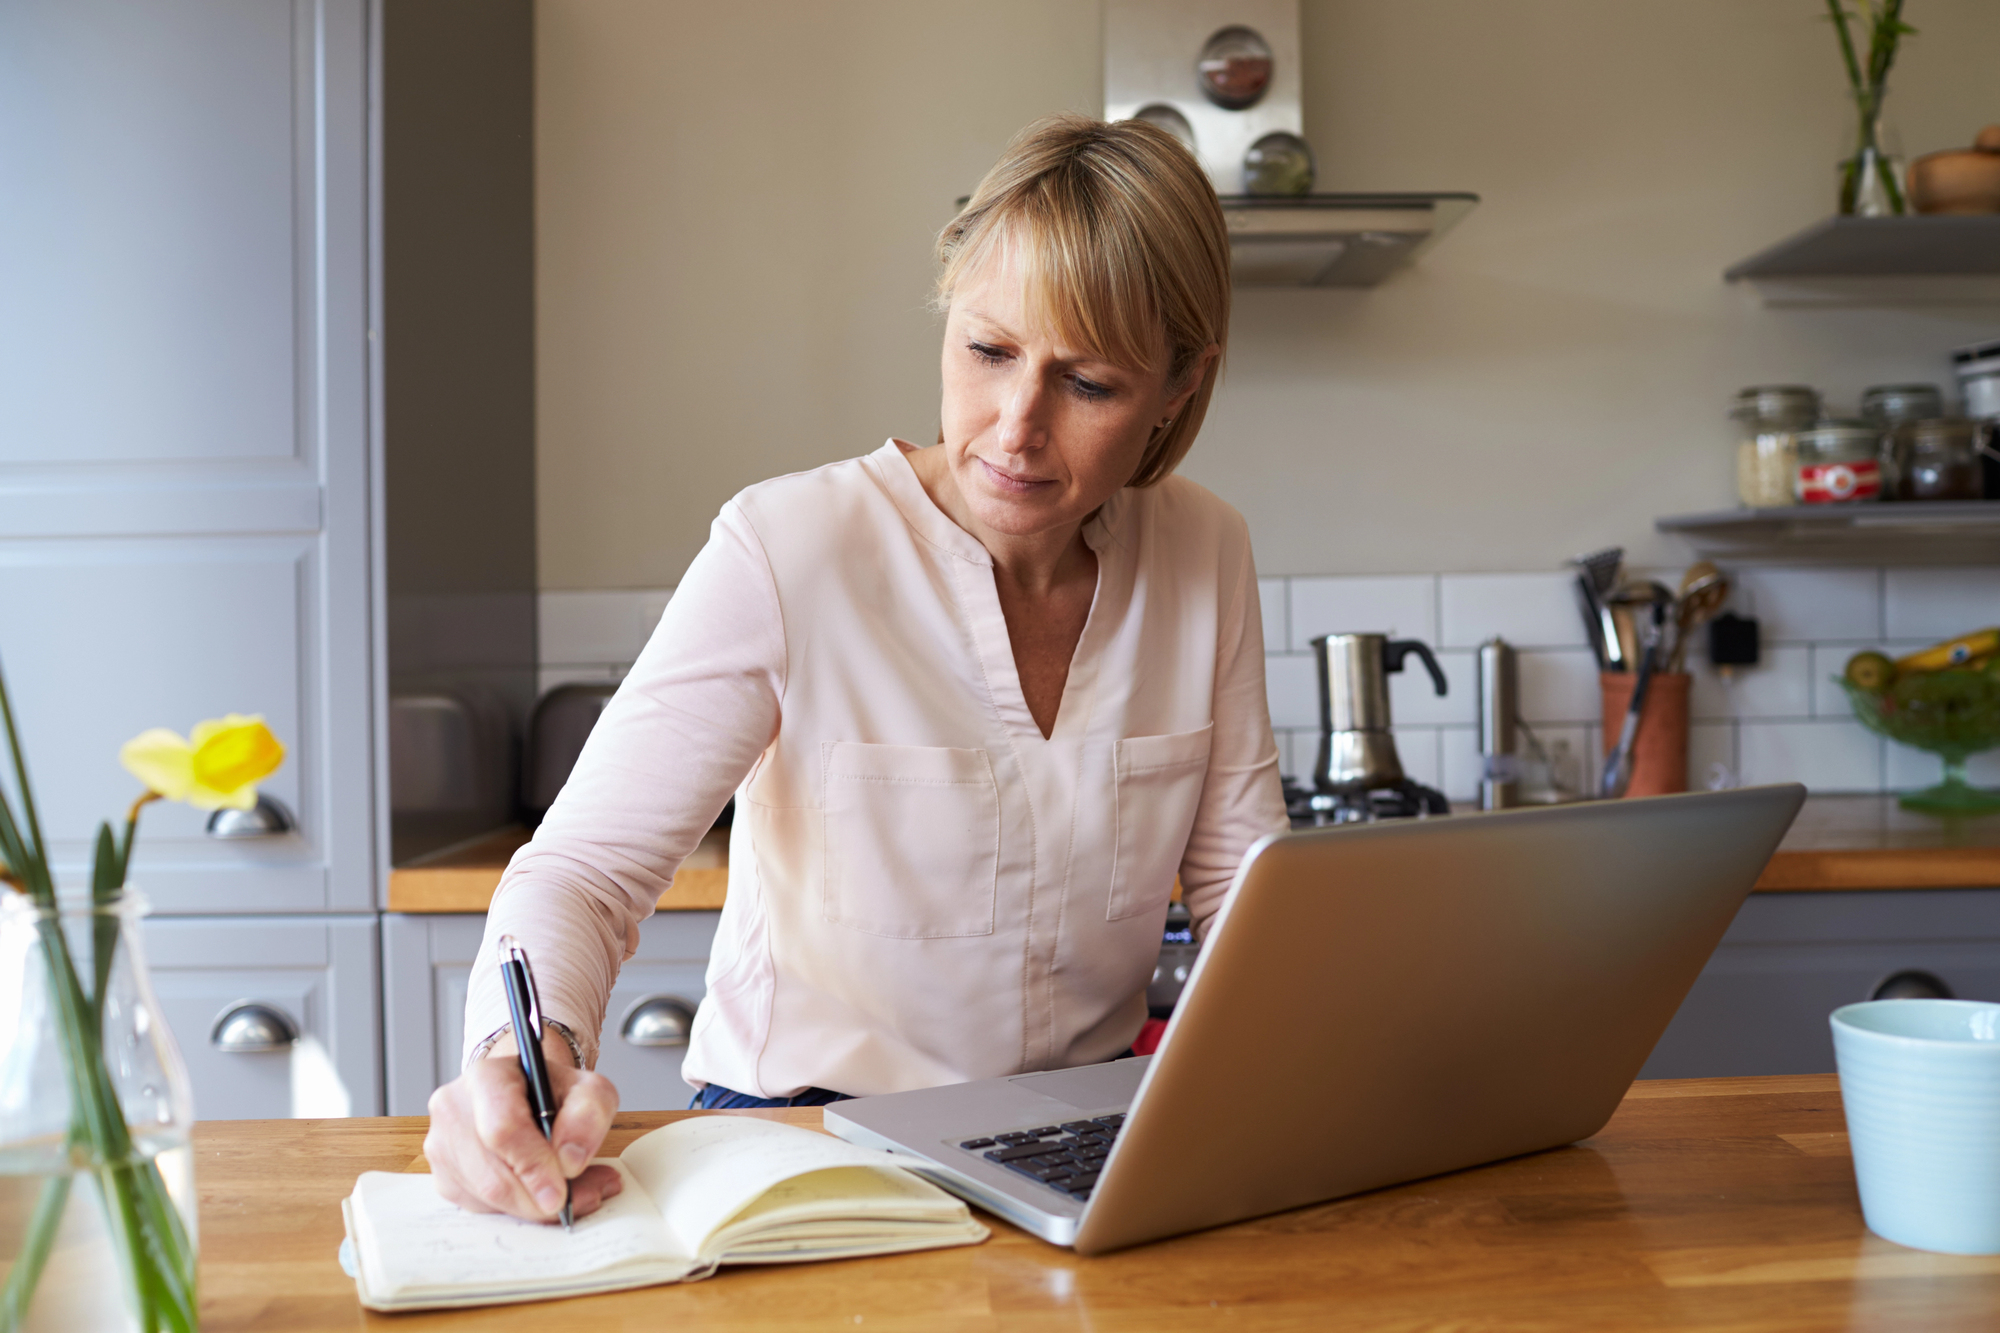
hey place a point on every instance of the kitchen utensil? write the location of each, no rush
(1937, 459)
(1658, 759)
(1765, 452)
(1920, 1085)
(1704, 589)
(1499, 692)
(1959, 180)
(1618, 769)
(1597, 576)
(1357, 752)
(1838, 463)
(1631, 607)
(1953, 713)
(562, 721)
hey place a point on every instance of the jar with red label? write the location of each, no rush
(1838, 463)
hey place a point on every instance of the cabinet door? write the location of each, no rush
(320, 974)
(184, 510)
(1761, 1005)
(427, 962)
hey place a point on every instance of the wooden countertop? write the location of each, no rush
(1838, 843)
(1704, 1204)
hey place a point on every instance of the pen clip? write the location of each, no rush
(512, 952)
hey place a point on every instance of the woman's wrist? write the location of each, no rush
(557, 1041)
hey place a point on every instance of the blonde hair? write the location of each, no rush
(1124, 247)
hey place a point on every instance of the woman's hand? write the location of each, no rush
(487, 1152)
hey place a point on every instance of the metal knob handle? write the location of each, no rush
(1912, 984)
(267, 819)
(658, 1020)
(249, 1028)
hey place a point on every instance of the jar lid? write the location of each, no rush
(1840, 436)
(1891, 404)
(1773, 400)
(1978, 360)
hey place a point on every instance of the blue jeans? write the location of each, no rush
(715, 1097)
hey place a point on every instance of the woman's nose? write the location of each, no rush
(1024, 415)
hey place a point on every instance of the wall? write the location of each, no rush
(736, 204)
(735, 211)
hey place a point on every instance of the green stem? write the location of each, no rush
(27, 1272)
(26, 792)
(1839, 17)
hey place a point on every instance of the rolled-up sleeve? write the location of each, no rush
(1242, 799)
(682, 732)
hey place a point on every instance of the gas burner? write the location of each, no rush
(1401, 800)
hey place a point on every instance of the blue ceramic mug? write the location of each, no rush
(1921, 1083)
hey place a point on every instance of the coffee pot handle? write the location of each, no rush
(1394, 651)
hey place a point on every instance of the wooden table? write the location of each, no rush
(1705, 1204)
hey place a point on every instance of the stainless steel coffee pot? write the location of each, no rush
(1357, 753)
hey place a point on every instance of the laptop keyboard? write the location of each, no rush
(1066, 1157)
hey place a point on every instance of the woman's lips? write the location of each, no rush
(1011, 484)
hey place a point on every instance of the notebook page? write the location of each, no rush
(706, 1169)
(411, 1238)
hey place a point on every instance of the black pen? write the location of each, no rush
(524, 1006)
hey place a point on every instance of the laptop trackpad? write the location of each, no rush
(1092, 1086)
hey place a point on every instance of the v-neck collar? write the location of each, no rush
(980, 598)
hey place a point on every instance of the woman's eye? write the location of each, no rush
(1089, 390)
(992, 356)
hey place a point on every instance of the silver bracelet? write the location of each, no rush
(485, 1048)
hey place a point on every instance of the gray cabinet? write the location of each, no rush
(317, 973)
(1791, 959)
(427, 960)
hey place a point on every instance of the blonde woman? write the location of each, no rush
(978, 704)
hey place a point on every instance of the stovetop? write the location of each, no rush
(1405, 800)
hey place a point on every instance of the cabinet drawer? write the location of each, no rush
(427, 962)
(318, 974)
(1761, 1004)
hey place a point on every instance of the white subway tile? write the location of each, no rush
(1271, 598)
(1527, 610)
(1404, 605)
(1781, 685)
(1417, 748)
(1461, 767)
(1933, 604)
(1711, 744)
(1826, 756)
(588, 627)
(1559, 685)
(1413, 696)
(1802, 604)
(1910, 769)
(1291, 681)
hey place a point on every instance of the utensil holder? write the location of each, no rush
(1660, 750)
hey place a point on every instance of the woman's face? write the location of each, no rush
(1037, 435)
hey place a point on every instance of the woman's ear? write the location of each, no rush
(1197, 375)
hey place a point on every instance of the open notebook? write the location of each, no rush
(700, 1192)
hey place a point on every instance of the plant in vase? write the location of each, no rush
(89, 1076)
(1868, 178)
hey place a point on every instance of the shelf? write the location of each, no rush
(1923, 260)
(1334, 240)
(1964, 532)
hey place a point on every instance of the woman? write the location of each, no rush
(978, 705)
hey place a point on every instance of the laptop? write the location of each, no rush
(1374, 1004)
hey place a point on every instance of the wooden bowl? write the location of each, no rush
(1959, 180)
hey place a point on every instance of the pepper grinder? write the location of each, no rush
(1499, 697)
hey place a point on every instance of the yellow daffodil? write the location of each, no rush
(217, 767)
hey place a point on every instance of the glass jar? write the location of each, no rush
(1766, 455)
(97, 1202)
(1890, 405)
(1936, 459)
(1839, 462)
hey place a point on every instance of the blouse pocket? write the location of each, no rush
(1159, 781)
(912, 840)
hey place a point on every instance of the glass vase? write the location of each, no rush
(97, 1203)
(1871, 177)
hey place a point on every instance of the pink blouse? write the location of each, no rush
(922, 888)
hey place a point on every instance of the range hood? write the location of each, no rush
(1224, 75)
